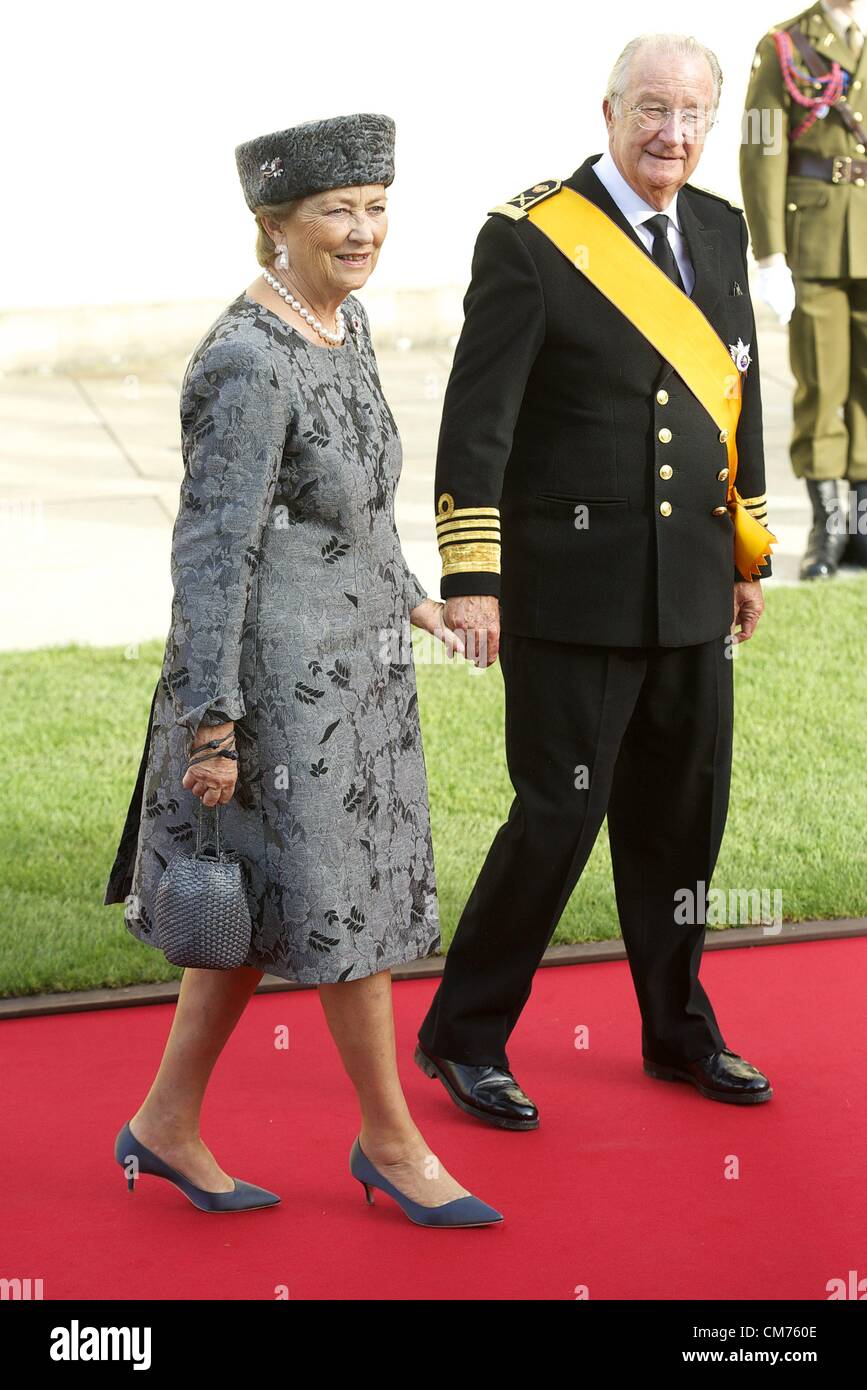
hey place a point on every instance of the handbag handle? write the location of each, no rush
(216, 810)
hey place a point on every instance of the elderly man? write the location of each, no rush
(605, 388)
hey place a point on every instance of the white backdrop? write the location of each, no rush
(120, 124)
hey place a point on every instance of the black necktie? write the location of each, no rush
(662, 252)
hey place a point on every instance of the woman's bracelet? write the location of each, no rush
(214, 743)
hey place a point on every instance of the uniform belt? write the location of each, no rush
(843, 169)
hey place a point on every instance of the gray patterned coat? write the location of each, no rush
(290, 616)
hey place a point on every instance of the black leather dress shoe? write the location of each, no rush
(489, 1093)
(721, 1076)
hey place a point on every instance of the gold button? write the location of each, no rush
(666, 471)
(665, 508)
(723, 436)
(664, 436)
(859, 183)
(662, 397)
(791, 207)
(720, 511)
(858, 116)
(856, 85)
(722, 475)
(860, 149)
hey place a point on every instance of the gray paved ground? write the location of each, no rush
(89, 474)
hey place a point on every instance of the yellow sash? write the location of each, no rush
(671, 322)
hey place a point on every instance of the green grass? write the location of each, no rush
(74, 724)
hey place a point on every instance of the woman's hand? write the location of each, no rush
(428, 615)
(214, 779)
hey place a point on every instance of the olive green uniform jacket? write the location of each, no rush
(820, 227)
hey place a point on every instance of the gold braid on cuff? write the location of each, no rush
(757, 507)
(468, 537)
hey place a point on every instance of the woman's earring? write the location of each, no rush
(282, 260)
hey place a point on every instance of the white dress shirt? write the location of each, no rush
(841, 22)
(636, 211)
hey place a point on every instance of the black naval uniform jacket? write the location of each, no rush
(556, 400)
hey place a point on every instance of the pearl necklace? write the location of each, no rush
(314, 322)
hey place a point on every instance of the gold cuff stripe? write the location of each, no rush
(760, 512)
(470, 518)
(750, 501)
(451, 528)
(491, 567)
(468, 536)
(473, 557)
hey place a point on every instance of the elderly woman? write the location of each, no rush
(289, 588)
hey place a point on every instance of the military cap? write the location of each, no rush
(340, 152)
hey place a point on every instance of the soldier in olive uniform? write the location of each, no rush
(804, 178)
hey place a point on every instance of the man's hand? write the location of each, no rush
(475, 621)
(776, 286)
(749, 606)
(214, 779)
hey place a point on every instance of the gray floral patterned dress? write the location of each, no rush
(290, 616)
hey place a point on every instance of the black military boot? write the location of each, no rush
(856, 542)
(827, 537)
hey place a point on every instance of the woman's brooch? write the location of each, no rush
(272, 168)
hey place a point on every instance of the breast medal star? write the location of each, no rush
(740, 352)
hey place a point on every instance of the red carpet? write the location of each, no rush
(622, 1189)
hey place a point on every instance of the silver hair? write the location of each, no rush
(674, 45)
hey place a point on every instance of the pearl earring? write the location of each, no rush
(282, 261)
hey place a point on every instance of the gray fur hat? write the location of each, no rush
(340, 152)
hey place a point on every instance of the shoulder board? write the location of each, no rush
(520, 205)
(813, 16)
(717, 197)
(800, 20)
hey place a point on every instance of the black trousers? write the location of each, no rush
(653, 729)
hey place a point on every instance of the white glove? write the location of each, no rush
(776, 287)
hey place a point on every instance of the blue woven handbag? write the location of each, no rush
(201, 911)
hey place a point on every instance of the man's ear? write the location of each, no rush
(607, 112)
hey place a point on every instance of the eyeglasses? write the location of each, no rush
(696, 124)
